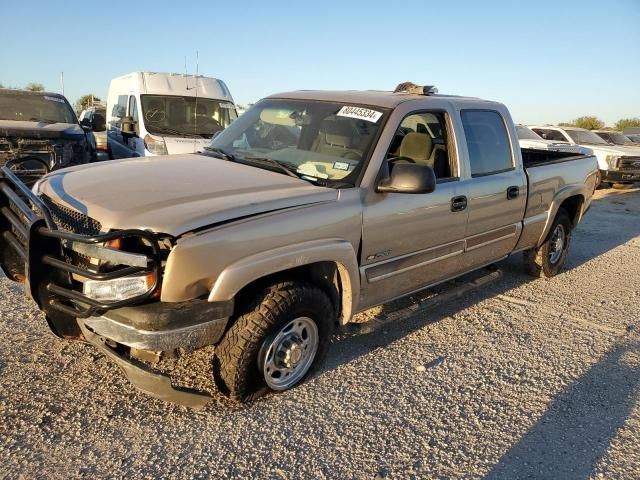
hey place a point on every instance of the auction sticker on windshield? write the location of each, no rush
(360, 113)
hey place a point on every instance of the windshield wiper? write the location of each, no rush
(285, 167)
(221, 153)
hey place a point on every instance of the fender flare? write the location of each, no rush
(560, 196)
(340, 252)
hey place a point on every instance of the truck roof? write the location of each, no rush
(166, 83)
(15, 91)
(560, 127)
(380, 98)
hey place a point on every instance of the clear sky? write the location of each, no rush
(547, 60)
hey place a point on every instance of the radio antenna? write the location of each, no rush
(186, 76)
(195, 120)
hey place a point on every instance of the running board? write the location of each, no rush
(427, 300)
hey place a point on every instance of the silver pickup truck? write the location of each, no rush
(312, 206)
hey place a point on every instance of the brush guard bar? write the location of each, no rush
(32, 249)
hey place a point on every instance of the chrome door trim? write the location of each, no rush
(386, 268)
(492, 236)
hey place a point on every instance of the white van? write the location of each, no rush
(153, 113)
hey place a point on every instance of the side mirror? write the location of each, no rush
(127, 125)
(85, 124)
(408, 178)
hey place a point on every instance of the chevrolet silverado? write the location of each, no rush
(312, 206)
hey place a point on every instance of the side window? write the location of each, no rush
(98, 121)
(133, 112)
(554, 135)
(423, 138)
(120, 108)
(487, 142)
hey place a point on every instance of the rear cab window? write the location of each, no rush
(488, 142)
(549, 134)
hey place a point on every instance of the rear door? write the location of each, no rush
(496, 190)
(412, 240)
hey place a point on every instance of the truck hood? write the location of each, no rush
(614, 149)
(175, 194)
(40, 130)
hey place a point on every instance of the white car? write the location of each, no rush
(617, 163)
(527, 138)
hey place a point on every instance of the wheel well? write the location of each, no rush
(324, 275)
(573, 207)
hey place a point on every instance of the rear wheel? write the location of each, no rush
(547, 260)
(276, 343)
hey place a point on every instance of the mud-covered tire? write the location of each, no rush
(622, 186)
(236, 361)
(541, 261)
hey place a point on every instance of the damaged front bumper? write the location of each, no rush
(53, 264)
(164, 327)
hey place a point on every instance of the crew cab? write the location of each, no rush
(618, 164)
(310, 207)
(40, 132)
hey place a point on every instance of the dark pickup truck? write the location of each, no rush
(41, 132)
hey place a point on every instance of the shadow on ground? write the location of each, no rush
(593, 243)
(616, 205)
(577, 429)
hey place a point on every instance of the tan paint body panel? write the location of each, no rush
(175, 194)
(251, 222)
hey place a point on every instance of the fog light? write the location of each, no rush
(119, 288)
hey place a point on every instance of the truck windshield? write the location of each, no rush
(177, 115)
(584, 136)
(318, 140)
(618, 138)
(35, 108)
(525, 133)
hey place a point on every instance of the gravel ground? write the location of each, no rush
(518, 379)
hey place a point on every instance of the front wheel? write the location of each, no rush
(276, 343)
(547, 260)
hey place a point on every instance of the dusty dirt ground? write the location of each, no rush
(519, 379)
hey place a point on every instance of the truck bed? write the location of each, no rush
(532, 157)
(549, 172)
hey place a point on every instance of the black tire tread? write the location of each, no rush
(536, 259)
(235, 369)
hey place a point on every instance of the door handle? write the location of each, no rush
(458, 203)
(513, 192)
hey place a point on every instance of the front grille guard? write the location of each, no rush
(24, 216)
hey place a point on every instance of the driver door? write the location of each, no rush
(412, 240)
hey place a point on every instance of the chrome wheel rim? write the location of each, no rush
(558, 240)
(289, 355)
